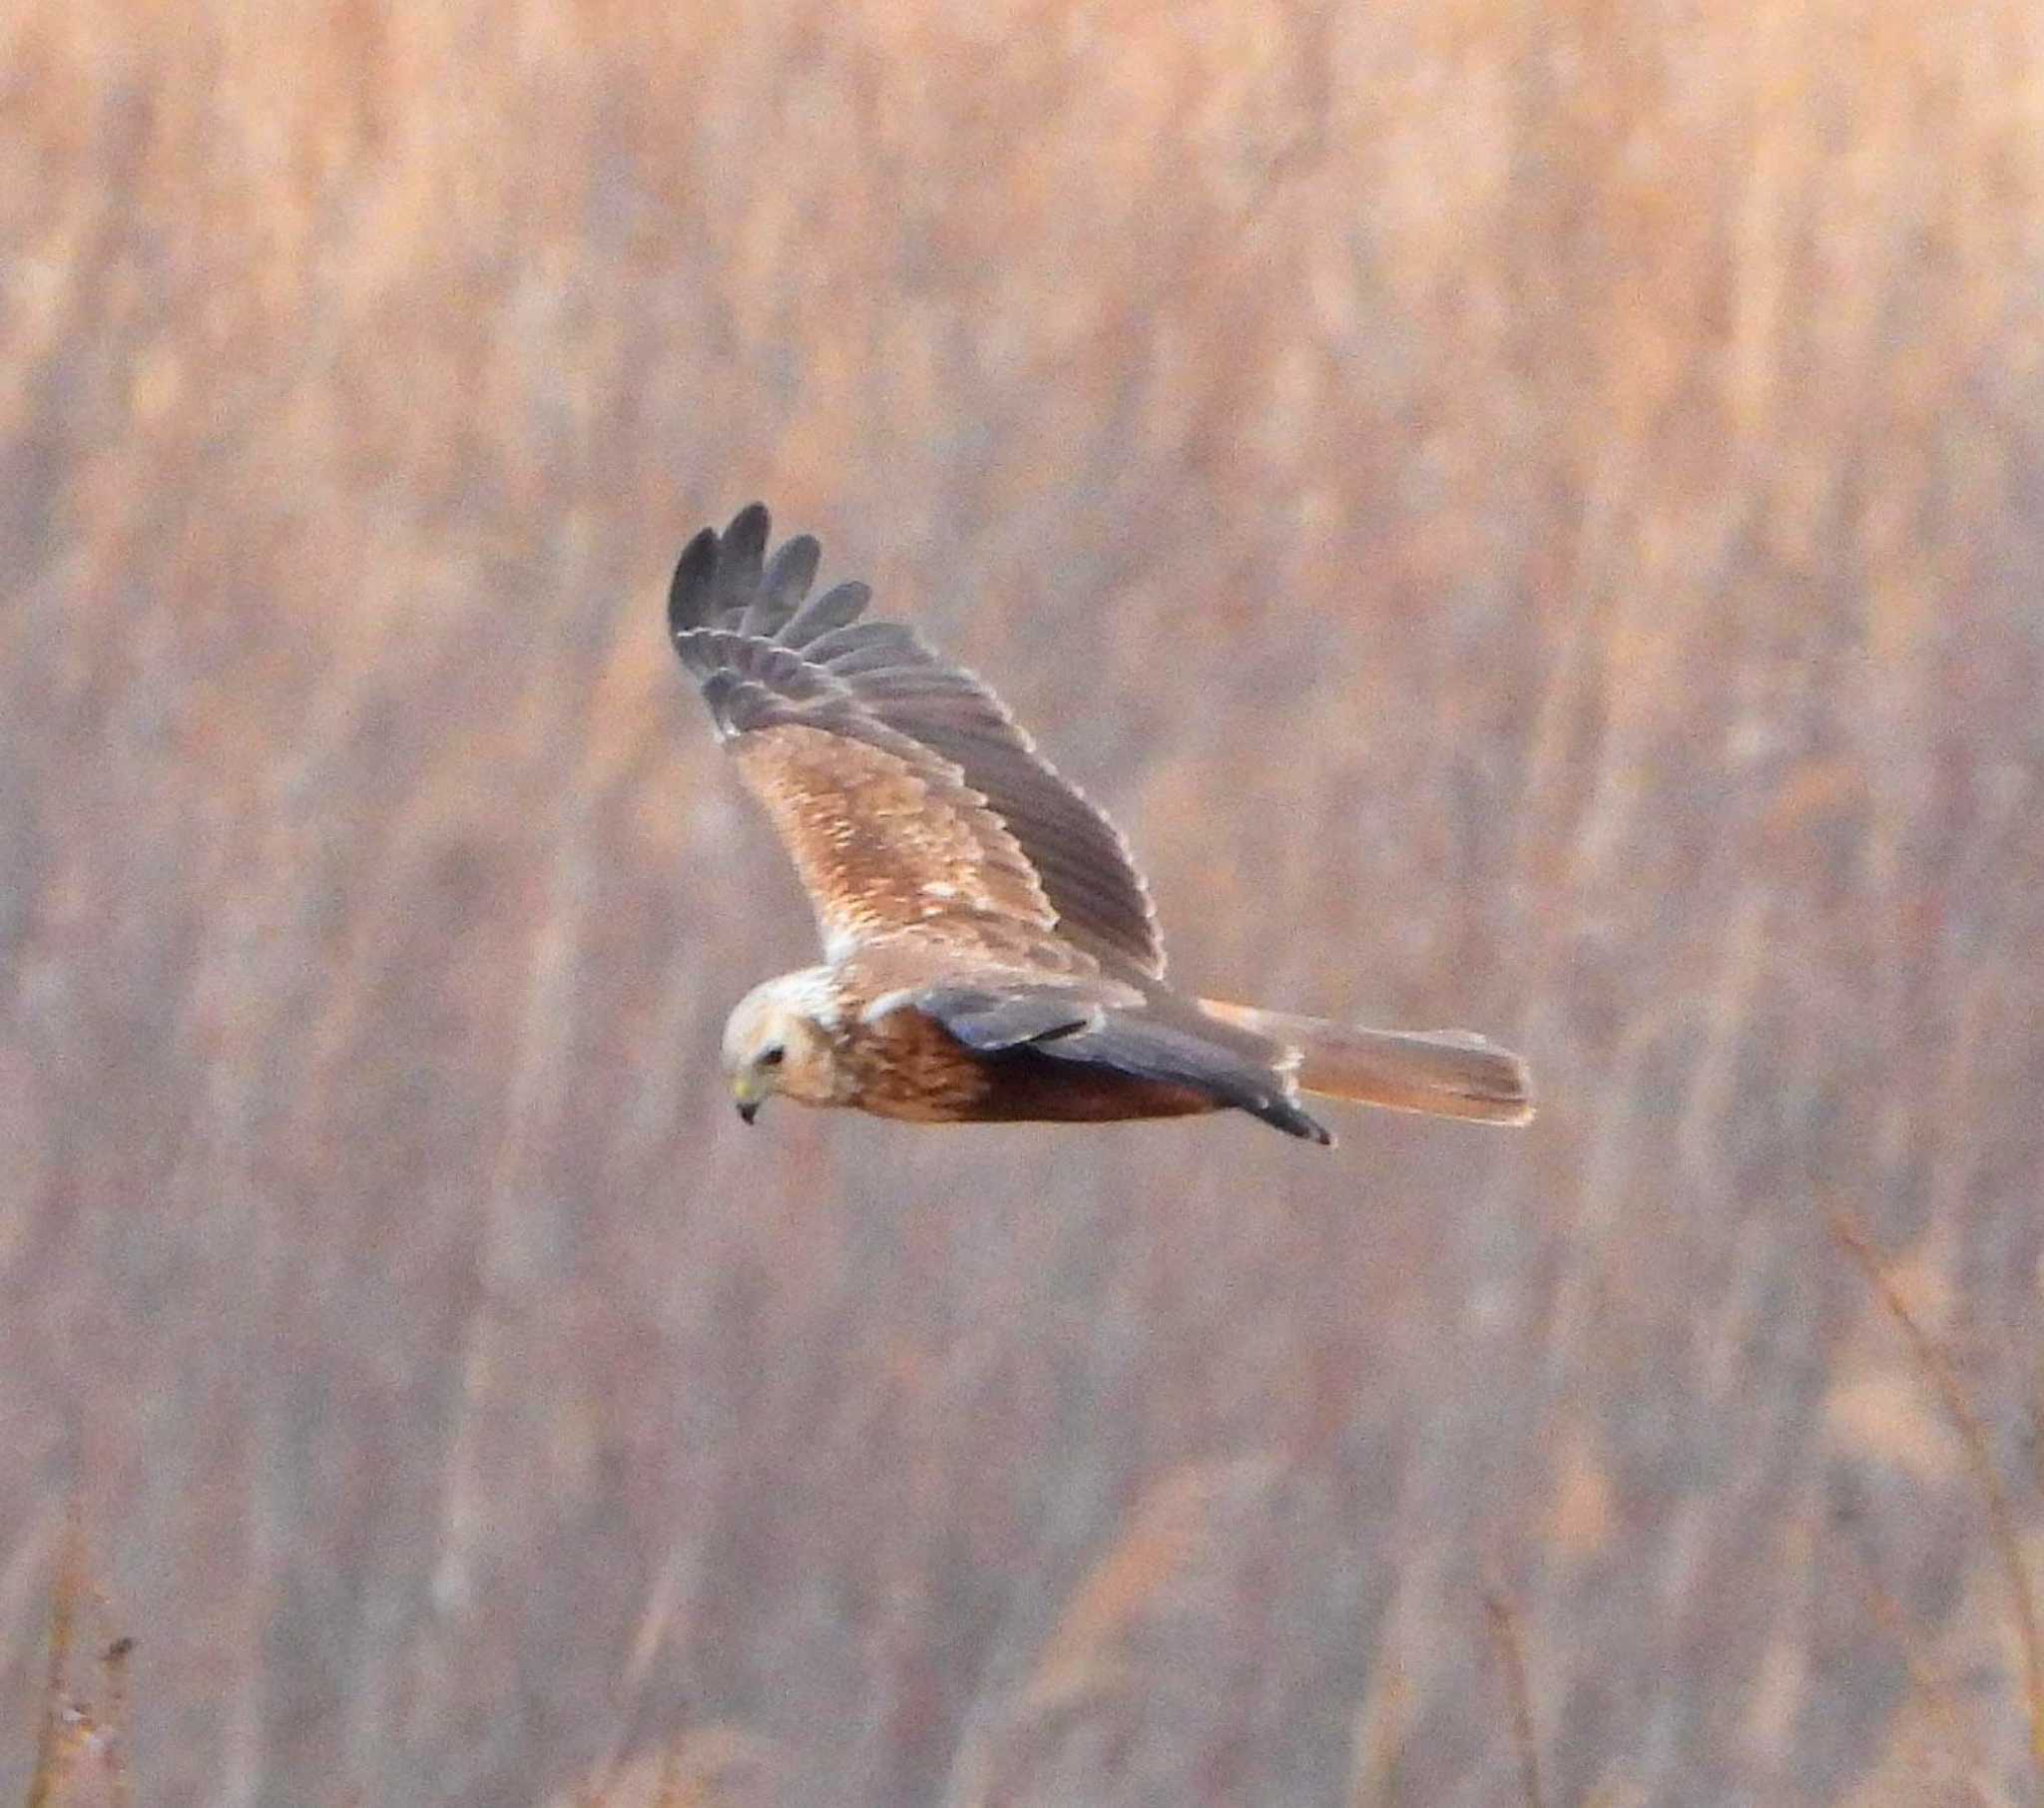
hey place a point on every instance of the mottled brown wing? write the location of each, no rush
(888, 840)
(892, 734)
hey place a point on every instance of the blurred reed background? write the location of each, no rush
(1529, 515)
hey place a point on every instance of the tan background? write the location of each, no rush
(1531, 515)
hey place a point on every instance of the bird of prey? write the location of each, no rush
(990, 952)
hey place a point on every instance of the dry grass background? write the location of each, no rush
(1532, 517)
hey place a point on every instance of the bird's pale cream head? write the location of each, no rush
(777, 1040)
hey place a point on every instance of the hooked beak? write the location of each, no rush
(746, 1092)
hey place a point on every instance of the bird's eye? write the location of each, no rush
(773, 1057)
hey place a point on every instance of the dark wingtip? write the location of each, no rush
(712, 573)
(727, 581)
(1303, 1124)
(693, 583)
(749, 526)
(1282, 1115)
(740, 556)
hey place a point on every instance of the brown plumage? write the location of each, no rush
(991, 950)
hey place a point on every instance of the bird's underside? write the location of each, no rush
(991, 954)
(908, 1065)
(984, 1046)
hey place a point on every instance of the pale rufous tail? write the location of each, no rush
(1444, 1073)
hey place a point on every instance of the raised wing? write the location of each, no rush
(900, 784)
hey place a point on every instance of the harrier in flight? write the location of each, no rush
(990, 952)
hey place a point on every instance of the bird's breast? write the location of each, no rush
(906, 1065)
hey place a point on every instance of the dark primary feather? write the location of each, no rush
(738, 559)
(833, 609)
(782, 585)
(1151, 1047)
(767, 657)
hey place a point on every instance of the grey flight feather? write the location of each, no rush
(1071, 1024)
(989, 1021)
(1155, 1048)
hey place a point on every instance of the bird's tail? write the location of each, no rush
(1446, 1073)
